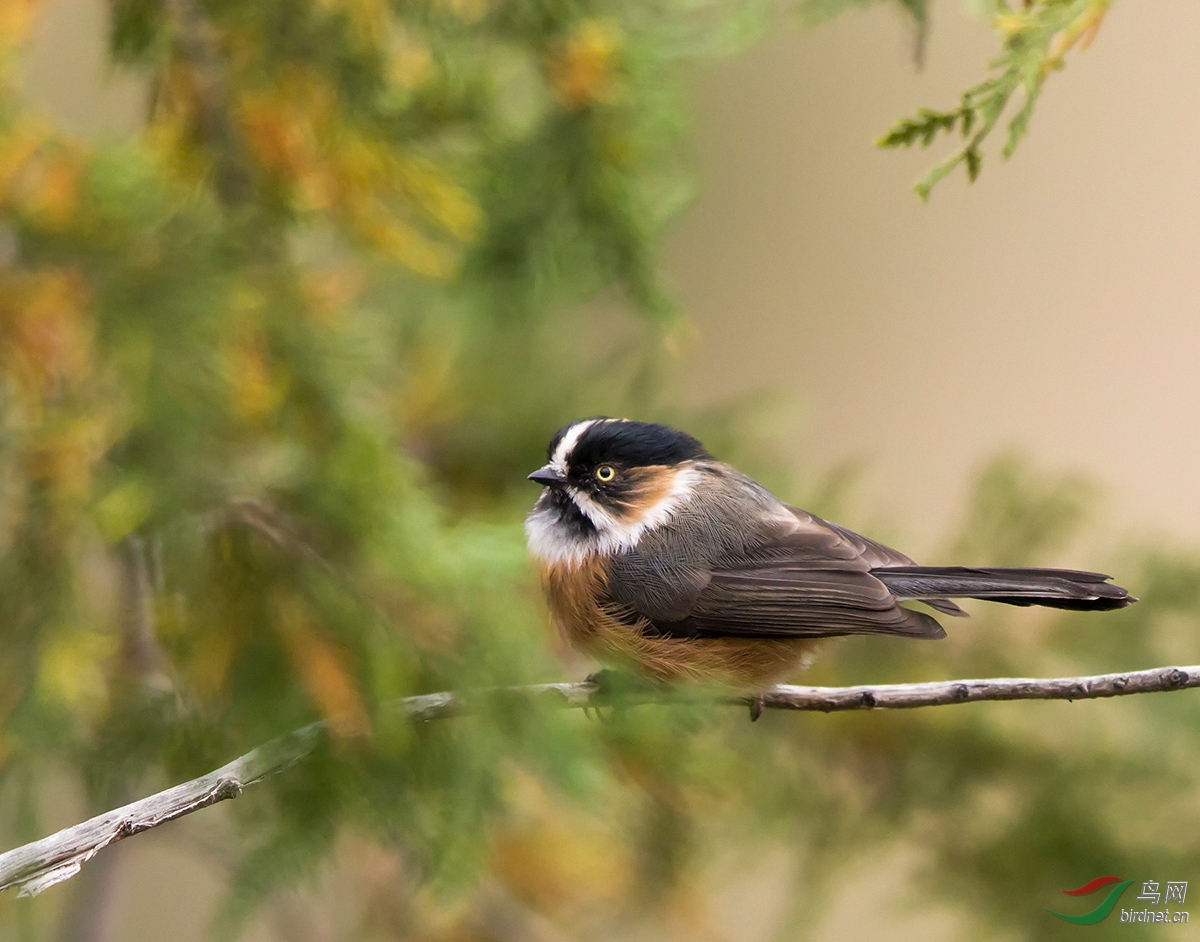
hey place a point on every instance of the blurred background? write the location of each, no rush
(294, 294)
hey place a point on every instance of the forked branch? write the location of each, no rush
(41, 864)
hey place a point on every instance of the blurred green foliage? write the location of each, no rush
(271, 376)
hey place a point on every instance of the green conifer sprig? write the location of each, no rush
(1036, 40)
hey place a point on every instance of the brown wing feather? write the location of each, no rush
(786, 578)
(879, 556)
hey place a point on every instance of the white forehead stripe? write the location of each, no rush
(569, 440)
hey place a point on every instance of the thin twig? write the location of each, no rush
(41, 864)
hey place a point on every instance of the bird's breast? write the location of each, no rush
(575, 593)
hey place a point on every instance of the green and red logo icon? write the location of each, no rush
(1101, 911)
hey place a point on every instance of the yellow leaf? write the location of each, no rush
(331, 290)
(300, 134)
(16, 16)
(445, 202)
(207, 669)
(583, 72)
(72, 669)
(400, 242)
(122, 510)
(49, 190)
(410, 62)
(64, 455)
(1091, 22)
(257, 385)
(17, 148)
(45, 332)
(1009, 23)
(368, 19)
(1080, 32)
(324, 669)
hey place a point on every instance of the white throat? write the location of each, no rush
(554, 541)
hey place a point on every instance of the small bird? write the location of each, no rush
(656, 556)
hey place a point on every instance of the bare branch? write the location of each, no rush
(37, 866)
(943, 692)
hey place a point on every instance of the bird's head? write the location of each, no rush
(606, 481)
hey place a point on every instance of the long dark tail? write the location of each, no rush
(1054, 588)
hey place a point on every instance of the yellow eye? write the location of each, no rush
(605, 473)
